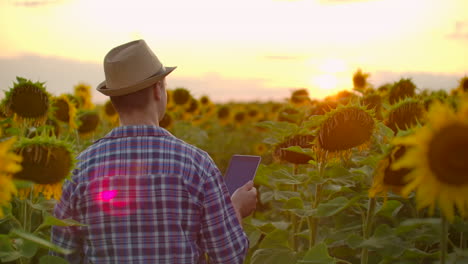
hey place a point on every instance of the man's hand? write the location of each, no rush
(244, 200)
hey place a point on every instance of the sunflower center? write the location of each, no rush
(396, 177)
(62, 112)
(346, 129)
(448, 154)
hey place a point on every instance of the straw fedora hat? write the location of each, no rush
(131, 67)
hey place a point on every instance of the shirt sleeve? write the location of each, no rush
(67, 237)
(222, 236)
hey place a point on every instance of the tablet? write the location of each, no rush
(241, 169)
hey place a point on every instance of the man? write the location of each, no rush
(144, 195)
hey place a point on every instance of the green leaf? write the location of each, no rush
(318, 255)
(28, 249)
(276, 239)
(278, 130)
(273, 256)
(44, 205)
(52, 260)
(305, 151)
(294, 203)
(411, 224)
(40, 241)
(390, 209)
(286, 177)
(336, 171)
(314, 121)
(354, 241)
(50, 220)
(334, 206)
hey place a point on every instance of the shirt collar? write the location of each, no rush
(138, 131)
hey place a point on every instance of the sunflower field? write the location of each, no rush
(369, 175)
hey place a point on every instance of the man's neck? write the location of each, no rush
(139, 119)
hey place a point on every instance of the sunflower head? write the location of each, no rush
(438, 155)
(402, 89)
(181, 96)
(344, 128)
(405, 114)
(9, 166)
(260, 149)
(223, 113)
(281, 154)
(45, 160)
(386, 178)
(28, 101)
(64, 110)
(290, 114)
(83, 93)
(193, 107)
(167, 121)
(89, 121)
(360, 80)
(205, 101)
(463, 85)
(239, 117)
(324, 107)
(300, 97)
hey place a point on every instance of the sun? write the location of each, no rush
(325, 82)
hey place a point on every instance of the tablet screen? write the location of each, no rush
(241, 169)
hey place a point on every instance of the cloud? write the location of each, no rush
(460, 31)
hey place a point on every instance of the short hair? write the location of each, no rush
(134, 101)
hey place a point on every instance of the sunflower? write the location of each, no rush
(463, 86)
(401, 89)
(28, 101)
(387, 179)
(83, 93)
(290, 114)
(281, 154)
(45, 160)
(300, 97)
(65, 111)
(438, 156)
(239, 118)
(192, 108)
(89, 121)
(9, 165)
(167, 121)
(223, 114)
(373, 102)
(324, 107)
(405, 114)
(110, 114)
(360, 80)
(260, 149)
(344, 128)
(181, 96)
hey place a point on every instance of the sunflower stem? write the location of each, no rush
(293, 216)
(368, 228)
(443, 240)
(318, 191)
(462, 241)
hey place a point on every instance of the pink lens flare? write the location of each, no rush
(106, 196)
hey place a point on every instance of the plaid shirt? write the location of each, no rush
(148, 197)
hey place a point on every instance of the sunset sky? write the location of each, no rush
(242, 49)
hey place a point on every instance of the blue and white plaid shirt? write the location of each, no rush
(148, 197)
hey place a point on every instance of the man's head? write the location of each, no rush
(134, 76)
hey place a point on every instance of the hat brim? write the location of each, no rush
(135, 87)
